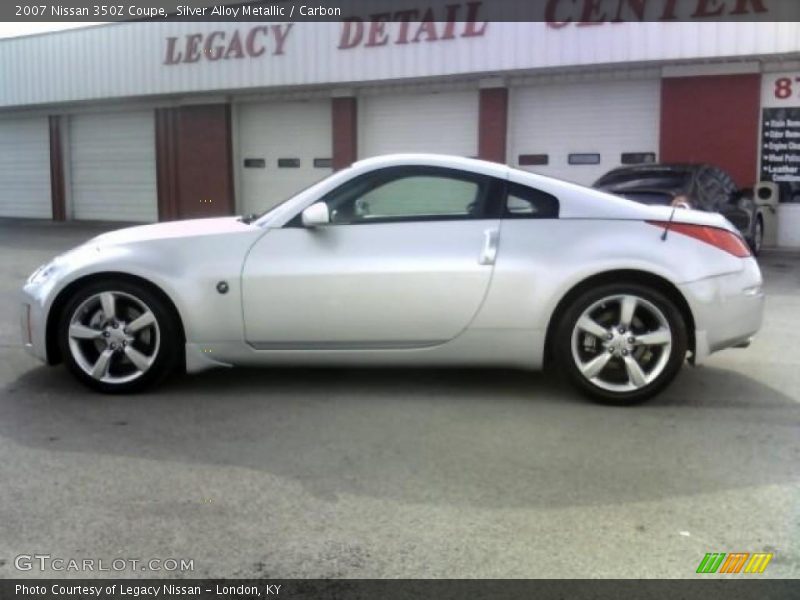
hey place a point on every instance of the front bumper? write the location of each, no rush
(33, 323)
(728, 309)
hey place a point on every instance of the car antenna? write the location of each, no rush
(666, 227)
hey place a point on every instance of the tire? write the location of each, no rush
(593, 346)
(106, 354)
(758, 236)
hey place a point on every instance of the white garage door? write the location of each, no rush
(113, 167)
(25, 168)
(283, 148)
(442, 123)
(590, 125)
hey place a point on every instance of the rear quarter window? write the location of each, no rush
(523, 202)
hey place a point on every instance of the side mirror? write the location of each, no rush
(316, 215)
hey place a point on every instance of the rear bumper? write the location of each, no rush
(728, 309)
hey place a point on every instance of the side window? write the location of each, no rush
(408, 194)
(523, 202)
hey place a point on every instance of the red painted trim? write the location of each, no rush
(166, 163)
(57, 186)
(344, 113)
(712, 120)
(194, 161)
(493, 124)
(204, 164)
(229, 149)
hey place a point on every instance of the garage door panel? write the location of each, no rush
(113, 166)
(25, 168)
(441, 123)
(126, 175)
(281, 130)
(605, 118)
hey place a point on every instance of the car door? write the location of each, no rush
(405, 262)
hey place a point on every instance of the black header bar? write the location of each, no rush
(583, 13)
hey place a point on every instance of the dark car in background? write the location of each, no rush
(699, 187)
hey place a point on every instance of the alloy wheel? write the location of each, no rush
(114, 337)
(621, 343)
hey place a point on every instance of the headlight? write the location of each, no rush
(42, 274)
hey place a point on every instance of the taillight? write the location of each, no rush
(719, 238)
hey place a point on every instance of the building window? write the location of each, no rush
(584, 159)
(288, 163)
(638, 158)
(323, 163)
(532, 160)
(254, 163)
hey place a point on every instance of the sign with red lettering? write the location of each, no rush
(444, 20)
(561, 13)
(413, 26)
(221, 45)
(401, 27)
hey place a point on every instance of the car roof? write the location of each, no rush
(434, 160)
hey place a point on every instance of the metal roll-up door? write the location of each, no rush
(113, 167)
(283, 148)
(441, 123)
(25, 168)
(579, 131)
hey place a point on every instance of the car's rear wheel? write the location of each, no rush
(621, 343)
(118, 336)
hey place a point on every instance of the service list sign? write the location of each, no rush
(780, 151)
(780, 130)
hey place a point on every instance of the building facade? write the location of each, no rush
(147, 121)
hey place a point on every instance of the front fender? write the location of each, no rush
(186, 270)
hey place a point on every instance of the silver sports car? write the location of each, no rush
(406, 260)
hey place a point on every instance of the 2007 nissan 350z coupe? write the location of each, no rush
(406, 260)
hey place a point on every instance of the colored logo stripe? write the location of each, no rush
(716, 561)
(758, 563)
(711, 562)
(734, 562)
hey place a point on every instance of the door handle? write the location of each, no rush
(489, 252)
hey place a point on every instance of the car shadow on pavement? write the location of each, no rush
(492, 438)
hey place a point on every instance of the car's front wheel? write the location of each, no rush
(118, 336)
(621, 343)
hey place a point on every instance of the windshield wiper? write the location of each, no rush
(247, 219)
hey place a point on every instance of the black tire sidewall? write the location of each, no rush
(168, 352)
(758, 240)
(563, 343)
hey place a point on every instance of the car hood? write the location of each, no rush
(172, 229)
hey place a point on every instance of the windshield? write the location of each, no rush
(256, 216)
